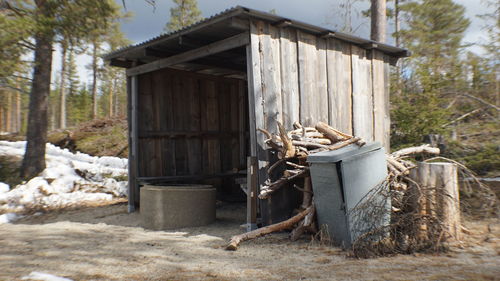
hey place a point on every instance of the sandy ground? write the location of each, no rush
(106, 243)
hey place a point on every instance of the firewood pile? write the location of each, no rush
(291, 170)
(292, 149)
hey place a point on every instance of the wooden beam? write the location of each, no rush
(149, 180)
(207, 62)
(133, 199)
(210, 49)
(156, 53)
(188, 134)
(120, 63)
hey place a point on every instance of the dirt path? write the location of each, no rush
(108, 244)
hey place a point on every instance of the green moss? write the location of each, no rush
(56, 137)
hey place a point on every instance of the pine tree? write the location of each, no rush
(184, 13)
(45, 21)
(434, 31)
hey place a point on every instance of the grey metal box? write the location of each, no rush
(343, 180)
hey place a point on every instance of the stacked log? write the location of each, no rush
(293, 147)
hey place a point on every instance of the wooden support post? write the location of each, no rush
(438, 197)
(252, 181)
(133, 188)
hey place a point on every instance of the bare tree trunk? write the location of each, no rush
(62, 87)
(379, 20)
(36, 136)
(18, 112)
(397, 23)
(110, 98)
(94, 80)
(8, 117)
(1, 118)
(116, 110)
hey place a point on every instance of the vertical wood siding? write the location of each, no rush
(297, 76)
(190, 124)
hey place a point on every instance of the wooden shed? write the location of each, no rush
(198, 95)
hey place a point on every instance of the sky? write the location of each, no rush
(149, 21)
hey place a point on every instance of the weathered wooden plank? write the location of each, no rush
(180, 106)
(212, 111)
(224, 112)
(255, 100)
(239, 40)
(242, 122)
(387, 105)
(157, 99)
(252, 189)
(168, 145)
(269, 55)
(204, 125)
(312, 68)
(234, 120)
(321, 82)
(147, 159)
(339, 85)
(289, 77)
(193, 124)
(362, 99)
(133, 187)
(380, 115)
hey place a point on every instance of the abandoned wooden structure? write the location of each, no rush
(198, 95)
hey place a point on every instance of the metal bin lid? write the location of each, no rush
(344, 152)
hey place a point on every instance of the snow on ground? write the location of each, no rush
(69, 180)
(40, 276)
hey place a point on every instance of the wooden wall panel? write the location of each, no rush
(289, 77)
(339, 85)
(307, 61)
(194, 145)
(381, 118)
(362, 99)
(321, 81)
(146, 122)
(312, 79)
(256, 100)
(271, 76)
(190, 124)
(387, 105)
(167, 122)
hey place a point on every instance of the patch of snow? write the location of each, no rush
(41, 276)
(4, 187)
(69, 180)
(9, 217)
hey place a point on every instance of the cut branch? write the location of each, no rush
(284, 225)
(416, 150)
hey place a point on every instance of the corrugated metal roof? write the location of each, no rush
(244, 12)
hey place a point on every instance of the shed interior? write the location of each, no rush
(193, 123)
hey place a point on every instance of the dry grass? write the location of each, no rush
(107, 243)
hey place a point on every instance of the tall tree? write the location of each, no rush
(62, 84)
(433, 32)
(95, 45)
(184, 13)
(47, 20)
(378, 20)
